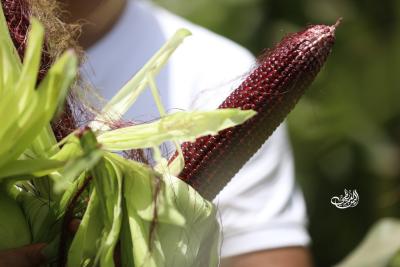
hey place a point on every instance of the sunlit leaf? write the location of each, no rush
(180, 126)
(34, 167)
(378, 247)
(86, 242)
(126, 97)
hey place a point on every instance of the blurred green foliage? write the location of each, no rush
(346, 131)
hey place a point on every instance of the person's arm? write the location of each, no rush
(28, 256)
(283, 257)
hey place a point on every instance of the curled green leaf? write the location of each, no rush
(180, 126)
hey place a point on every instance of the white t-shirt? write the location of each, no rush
(262, 207)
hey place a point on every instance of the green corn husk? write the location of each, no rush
(157, 219)
(15, 230)
(24, 112)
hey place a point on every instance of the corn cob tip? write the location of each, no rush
(322, 31)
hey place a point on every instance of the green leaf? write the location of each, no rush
(86, 242)
(180, 126)
(111, 187)
(126, 239)
(128, 94)
(10, 63)
(45, 145)
(14, 228)
(107, 181)
(95, 241)
(40, 215)
(169, 222)
(23, 121)
(145, 192)
(34, 167)
(68, 194)
(69, 153)
(378, 247)
(31, 65)
(197, 243)
(395, 261)
(75, 168)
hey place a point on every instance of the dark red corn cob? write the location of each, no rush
(272, 89)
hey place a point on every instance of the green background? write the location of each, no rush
(346, 131)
